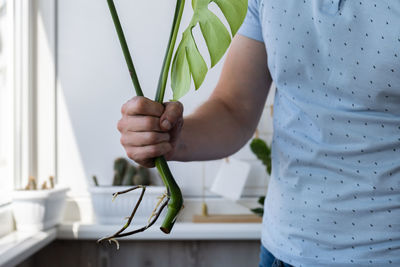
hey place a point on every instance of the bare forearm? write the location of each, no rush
(211, 132)
(224, 123)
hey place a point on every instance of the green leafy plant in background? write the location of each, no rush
(263, 152)
(126, 174)
(187, 64)
(120, 166)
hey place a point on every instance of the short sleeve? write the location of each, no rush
(251, 26)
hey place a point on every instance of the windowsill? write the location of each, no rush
(6, 220)
(17, 246)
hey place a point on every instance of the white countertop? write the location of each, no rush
(181, 231)
(18, 246)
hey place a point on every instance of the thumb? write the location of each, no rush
(172, 115)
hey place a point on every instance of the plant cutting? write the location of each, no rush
(187, 64)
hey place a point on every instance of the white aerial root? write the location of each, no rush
(115, 241)
(160, 200)
(114, 196)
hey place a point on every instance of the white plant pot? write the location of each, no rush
(114, 212)
(38, 210)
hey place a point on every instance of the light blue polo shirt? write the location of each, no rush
(334, 194)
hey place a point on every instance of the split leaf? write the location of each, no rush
(188, 62)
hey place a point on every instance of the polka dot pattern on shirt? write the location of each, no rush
(333, 199)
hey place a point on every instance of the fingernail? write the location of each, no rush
(166, 124)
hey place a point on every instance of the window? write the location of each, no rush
(27, 92)
(6, 104)
(27, 96)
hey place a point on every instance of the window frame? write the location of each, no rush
(31, 75)
(7, 171)
(23, 88)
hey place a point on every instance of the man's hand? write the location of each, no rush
(149, 129)
(218, 128)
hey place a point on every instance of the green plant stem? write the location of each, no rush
(180, 4)
(125, 49)
(175, 202)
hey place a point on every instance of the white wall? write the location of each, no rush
(93, 83)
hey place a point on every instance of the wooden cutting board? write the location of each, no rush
(227, 218)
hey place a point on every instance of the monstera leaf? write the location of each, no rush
(188, 62)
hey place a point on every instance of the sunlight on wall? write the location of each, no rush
(70, 165)
(46, 94)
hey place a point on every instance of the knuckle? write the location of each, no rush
(142, 163)
(136, 99)
(179, 107)
(132, 155)
(151, 137)
(138, 103)
(148, 163)
(120, 125)
(123, 108)
(176, 111)
(122, 140)
(148, 123)
(152, 151)
(166, 137)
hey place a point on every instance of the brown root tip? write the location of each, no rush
(165, 230)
